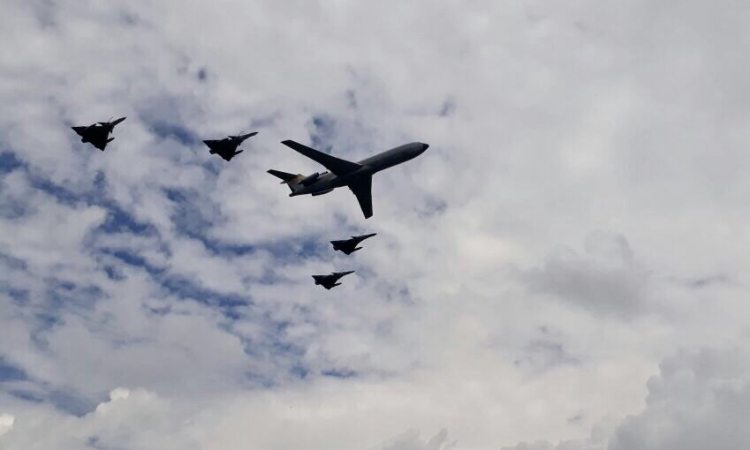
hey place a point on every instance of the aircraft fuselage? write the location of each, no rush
(328, 181)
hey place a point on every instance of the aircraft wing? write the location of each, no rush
(213, 144)
(221, 148)
(335, 165)
(100, 144)
(79, 130)
(98, 138)
(362, 188)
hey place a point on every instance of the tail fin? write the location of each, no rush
(287, 178)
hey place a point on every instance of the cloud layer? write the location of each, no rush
(563, 269)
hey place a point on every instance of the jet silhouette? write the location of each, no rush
(349, 246)
(227, 147)
(330, 281)
(357, 176)
(98, 133)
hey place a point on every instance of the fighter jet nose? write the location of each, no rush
(425, 146)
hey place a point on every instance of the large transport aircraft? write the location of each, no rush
(355, 175)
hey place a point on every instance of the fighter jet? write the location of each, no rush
(356, 175)
(330, 281)
(349, 246)
(227, 147)
(98, 133)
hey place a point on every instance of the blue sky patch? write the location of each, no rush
(9, 372)
(180, 133)
(9, 162)
(322, 132)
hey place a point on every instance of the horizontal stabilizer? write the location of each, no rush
(287, 177)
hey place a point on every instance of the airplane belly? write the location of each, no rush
(321, 186)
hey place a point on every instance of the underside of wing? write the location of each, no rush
(336, 165)
(362, 188)
(99, 142)
(97, 136)
(213, 144)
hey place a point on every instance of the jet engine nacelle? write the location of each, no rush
(314, 194)
(307, 181)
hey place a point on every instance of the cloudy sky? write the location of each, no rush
(566, 268)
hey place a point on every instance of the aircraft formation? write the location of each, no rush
(357, 176)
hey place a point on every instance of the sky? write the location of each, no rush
(566, 267)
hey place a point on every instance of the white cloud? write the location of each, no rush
(411, 440)
(699, 400)
(607, 280)
(547, 122)
(6, 423)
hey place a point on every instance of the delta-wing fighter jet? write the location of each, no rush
(227, 147)
(356, 175)
(349, 246)
(98, 133)
(330, 281)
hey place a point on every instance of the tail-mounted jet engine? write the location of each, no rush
(307, 181)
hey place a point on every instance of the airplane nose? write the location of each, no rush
(423, 147)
